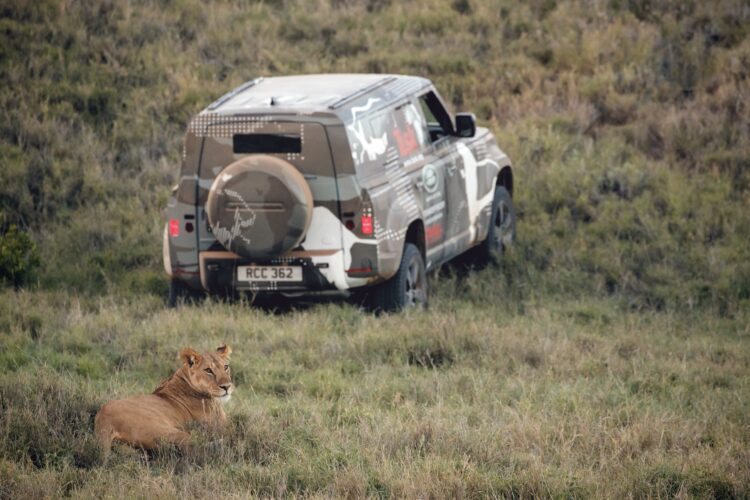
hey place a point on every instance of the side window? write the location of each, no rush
(409, 129)
(431, 120)
(439, 122)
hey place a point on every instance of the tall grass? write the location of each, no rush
(572, 397)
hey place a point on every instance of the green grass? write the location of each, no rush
(566, 398)
(606, 356)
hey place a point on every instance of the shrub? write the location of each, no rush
(19, 258)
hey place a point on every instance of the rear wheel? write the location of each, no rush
(407, 289)
(180, 293)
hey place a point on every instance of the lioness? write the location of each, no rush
(195, 392)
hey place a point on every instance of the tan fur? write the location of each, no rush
(191, 394)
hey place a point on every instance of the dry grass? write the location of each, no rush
(565, 398)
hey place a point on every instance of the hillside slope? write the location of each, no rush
(627, 122)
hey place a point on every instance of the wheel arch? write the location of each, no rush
(505, 179)
(415, 235)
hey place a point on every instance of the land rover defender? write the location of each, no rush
(333, 184)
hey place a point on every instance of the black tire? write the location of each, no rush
(180, 293)
(502, 230)
(407, 288)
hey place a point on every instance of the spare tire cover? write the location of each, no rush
(259, 207)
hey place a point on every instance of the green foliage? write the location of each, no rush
(474, 398)
(19, 257)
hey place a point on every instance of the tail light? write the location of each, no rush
(361, 220)
(366, 224)
(174, 228)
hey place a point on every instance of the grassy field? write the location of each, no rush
(608, 355)
(474, 398)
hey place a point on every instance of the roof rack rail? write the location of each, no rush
(361, 92)
(221, 100)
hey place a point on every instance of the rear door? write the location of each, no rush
(303, 144)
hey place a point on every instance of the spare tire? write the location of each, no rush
(259, 207)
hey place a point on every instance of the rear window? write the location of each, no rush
(266, 143)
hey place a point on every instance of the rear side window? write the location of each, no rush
(410, 132)
(266, 143)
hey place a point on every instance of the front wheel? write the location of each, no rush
(502, 230)
(407, 289)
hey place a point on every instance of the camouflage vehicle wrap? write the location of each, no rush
(330, 175)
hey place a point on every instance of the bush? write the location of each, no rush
(19, 258)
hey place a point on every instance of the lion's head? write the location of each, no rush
(209, 373)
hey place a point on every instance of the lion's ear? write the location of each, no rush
(224, 351)
(189, 356)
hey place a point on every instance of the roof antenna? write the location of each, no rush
(273, 102)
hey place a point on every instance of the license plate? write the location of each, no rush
(265, 274)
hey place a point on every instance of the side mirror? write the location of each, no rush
(466, 124)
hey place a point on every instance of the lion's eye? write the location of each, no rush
(226, 368)
(209, 371)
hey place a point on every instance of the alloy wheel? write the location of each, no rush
(416, 290)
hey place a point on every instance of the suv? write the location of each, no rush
(333, 184)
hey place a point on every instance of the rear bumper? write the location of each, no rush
(218, 273)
